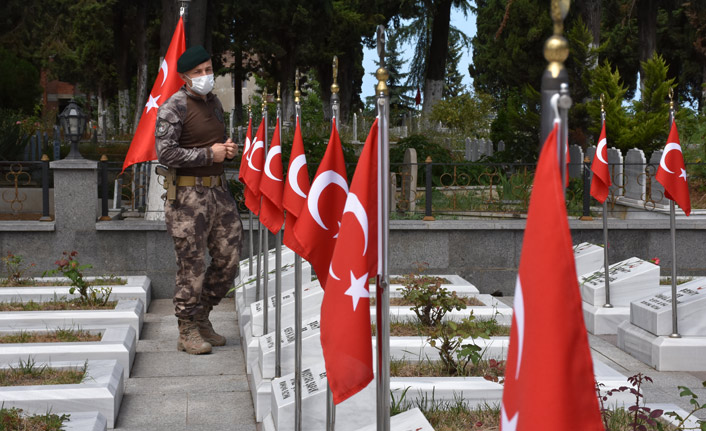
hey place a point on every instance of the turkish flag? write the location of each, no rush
(296, 188)
(167, 83)
(345, 310)
(549, 379)
(246, 150)
(317, 225)
(601, 174)
(255, 162)
(672, 172)
(272, 186)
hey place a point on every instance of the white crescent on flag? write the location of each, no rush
(165, 68)
(294, 173)
(599, 150)
(259, 145)
(670, 147)
(354, 207)
(320, 183)
(271, 155)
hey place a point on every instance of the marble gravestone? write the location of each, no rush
(656, 189)
(654, 313)
(352, 414)
(615, 163)
(630, 279)
(635, 175)
(575, 161)
(311, 305)
(588, 258)
(311, 348)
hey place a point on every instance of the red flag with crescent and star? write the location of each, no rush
(255, 162)
(345, 311)
(296, 189)
(672, 172)
(549, 361)
(600, 184)
(272, 186)
(246, 150)
(167, 83)
(319, 221)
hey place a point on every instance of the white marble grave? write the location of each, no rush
(136, 287)
(654, 313)
(117, 343)
(85, 421)
(101, 390)
(244, 274)
(493, 309)
(630, 279)
(352, 414)
(588, 257)
(410, 420)
(126, 312)
(246, 293)
(455, 283)
(662, 352)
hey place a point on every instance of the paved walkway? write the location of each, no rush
(174, 391)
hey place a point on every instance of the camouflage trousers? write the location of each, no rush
(200, 219)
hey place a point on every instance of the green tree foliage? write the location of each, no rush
(19, 83)
(470, 114)
(645, 125)
(453, 80)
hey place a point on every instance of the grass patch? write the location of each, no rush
(31, 282)
(56, 336)
(14, 419)
(29, 373)
(667, 281)
(411, 329)
(471, 301)
(484, 368)
(55, 305)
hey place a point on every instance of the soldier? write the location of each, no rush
(200, 212)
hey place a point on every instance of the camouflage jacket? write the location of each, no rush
(170, 117)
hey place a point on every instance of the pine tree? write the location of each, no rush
(453, 81)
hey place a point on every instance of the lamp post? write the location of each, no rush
(73, 122)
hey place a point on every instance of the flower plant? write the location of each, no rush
(69, 267)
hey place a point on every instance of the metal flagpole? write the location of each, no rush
(250, 238)
(278, 270)
(297, 301)
(383, 279)
(673, 231)
(606, 274)
(258, 284)
(264, 231)
(330, 406)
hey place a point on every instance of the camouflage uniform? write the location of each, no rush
(200, 217)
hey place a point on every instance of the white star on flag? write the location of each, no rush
(152, 103)
(358, 289)
(508, 424)
(683, 174)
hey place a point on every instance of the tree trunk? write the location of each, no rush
(141, 44)
(647, 25)
(590, 11)
(198, 13)
(121, 31)
(170, 16)
(436, 58)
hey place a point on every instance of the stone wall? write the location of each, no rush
(486, 253)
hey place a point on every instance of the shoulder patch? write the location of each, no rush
(162, 127)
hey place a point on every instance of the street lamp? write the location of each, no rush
(73, 121)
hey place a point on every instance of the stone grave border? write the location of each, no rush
(127, 312)
(102, 391)
(662, 352)
(85, 421)
(137, 287)
(117, 343)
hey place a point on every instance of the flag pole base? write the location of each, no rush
(675, 335)
(586, 218)
(607, 305)
(429, 218)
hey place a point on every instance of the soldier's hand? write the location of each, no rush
(219, 152)
(231, 149)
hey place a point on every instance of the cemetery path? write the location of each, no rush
(171, 390)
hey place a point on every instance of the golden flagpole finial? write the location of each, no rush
(279, 99)
(381, 74)
(334, 86)
(297, 93)
(264, 101)
(671, 98)
(249, 104)
(602, 103)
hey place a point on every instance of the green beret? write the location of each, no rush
(191, 58)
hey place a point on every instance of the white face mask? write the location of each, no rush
(202, 84)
